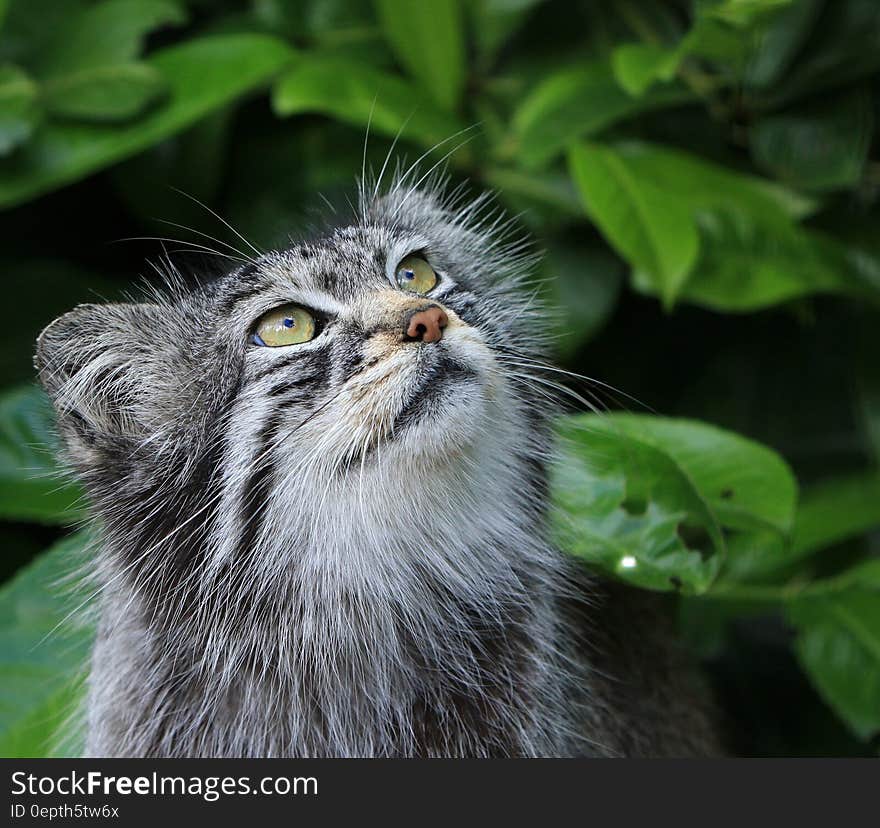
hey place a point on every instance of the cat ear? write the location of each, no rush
(94, 363)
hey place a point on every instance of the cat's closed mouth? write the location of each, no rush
(432, 389)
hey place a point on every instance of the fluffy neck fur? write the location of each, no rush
(401, 612)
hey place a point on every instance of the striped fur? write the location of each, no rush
(336, 548)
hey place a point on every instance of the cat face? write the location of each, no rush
(385, 342)
(377, 364)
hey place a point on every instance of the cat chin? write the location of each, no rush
(445, 405)
(444, 424)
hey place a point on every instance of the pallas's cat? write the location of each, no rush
(319, 483)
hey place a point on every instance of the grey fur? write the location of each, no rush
(338, 548)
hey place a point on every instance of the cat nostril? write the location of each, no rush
(426, 325)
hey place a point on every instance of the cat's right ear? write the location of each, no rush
(94, 362)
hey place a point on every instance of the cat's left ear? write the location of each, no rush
(97, 363)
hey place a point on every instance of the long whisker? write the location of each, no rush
(220, 219)
(195, 247)
(367, 137)
(206, 236)
(390, 152)
(565, 390)
(535, 363)
(403, 178)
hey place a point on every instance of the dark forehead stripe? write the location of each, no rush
(325, 280)
(240, 286)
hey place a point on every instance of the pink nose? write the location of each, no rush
(427, 325)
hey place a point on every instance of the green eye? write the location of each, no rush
(287, 325)
(416, 275)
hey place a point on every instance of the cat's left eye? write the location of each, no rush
(287, 325)
(415, 275)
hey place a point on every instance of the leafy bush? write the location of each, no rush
(701, 175)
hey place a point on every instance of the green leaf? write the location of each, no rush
(19, 108)
(746, 265)
(746, 484)
(105, 93)
(203, 75)
(844, 47)
(729, 35)
(353, 92)
(654, 233)
(637, 66)
(645, 498)
(777, 44)
(838, 646)
(743, 12)
(626, 507)
(428, 40)
(32, 487)
(104, 34)
(829, 512)
(835, 510)
(574, 103)
(693, 228)
(818, 146)
(44, 655)
(704, 185)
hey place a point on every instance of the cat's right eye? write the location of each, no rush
(287, 325)
(415, 275)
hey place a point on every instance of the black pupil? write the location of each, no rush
(408, 274)
(288, 322)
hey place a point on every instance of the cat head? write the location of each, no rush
(395, 347)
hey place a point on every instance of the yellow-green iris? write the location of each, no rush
(416, 275)
(287, 325)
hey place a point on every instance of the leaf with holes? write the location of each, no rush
(646, 498)
(627, 508)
